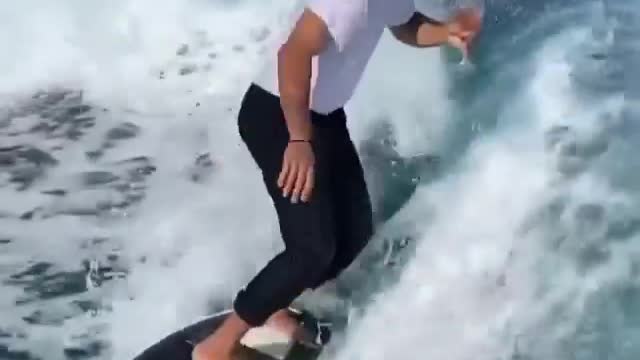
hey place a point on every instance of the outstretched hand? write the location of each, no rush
(463, 27)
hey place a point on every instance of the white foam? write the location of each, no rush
(472, 285)
(202, 242)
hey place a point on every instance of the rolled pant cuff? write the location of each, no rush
(248, 311)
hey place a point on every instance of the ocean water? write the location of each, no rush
(505, 190)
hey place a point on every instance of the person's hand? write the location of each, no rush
(463, 27)
(297, 174)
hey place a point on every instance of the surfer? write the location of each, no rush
(294, 126)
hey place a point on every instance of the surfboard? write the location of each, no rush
(260, 343)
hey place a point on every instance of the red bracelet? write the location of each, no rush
(299, 140)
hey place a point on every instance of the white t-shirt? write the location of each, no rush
(355, 27)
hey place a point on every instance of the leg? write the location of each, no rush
(352, 209)
(307, 230)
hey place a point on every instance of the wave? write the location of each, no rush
(505, 193)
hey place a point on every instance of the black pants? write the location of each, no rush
(322, 236)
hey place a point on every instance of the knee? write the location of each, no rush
(322, 256)
(317, 261)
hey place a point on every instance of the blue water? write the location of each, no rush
(505, 191)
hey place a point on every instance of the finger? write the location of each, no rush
(462, 38)
(471, 37)
(286, 167)
(461, 32)
(465, 35)
(308, 184)
(299, 184)
(290, 181)
(455, 42)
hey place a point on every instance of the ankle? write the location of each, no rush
(224, 340)
(282, 320)
(278, 316)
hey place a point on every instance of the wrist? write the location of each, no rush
(302, 134)
(293, 140)
(299, 124)
(442, 34)
(451, 29)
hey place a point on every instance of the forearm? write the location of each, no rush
(422, 31)
(294, 83)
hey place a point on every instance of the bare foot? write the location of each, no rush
(236, 354)
(201, 353)
(222, 344)
(283, 321)
(212, 350)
